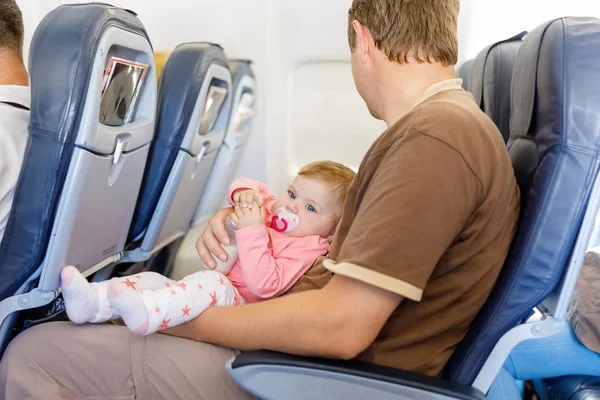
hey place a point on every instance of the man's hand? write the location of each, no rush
(248, 197)
(245, 217)
(214, 235)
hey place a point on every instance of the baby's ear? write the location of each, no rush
(332, 234)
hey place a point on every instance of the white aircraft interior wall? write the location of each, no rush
(307, 107)
(492, 20)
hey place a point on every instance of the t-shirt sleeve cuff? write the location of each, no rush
(375, 278)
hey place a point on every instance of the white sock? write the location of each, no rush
(81, 298)
(129, 304)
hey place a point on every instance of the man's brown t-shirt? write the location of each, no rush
(430, 216)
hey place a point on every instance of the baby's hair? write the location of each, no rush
(337, 175)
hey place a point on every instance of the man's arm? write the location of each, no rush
(339, 321)
(392, 246)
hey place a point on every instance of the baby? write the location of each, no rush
(278, 240)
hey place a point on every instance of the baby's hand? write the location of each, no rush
(244, 217)
(247, 197)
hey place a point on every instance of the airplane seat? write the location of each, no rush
(236, 138)
(554, 147)
(573, 387)
(490, 79)
(193, 110)
(89, 136)
(464, 73)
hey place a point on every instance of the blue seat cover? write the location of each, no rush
(490, 80)
(554, 144)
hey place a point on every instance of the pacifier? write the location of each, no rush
(284, 221)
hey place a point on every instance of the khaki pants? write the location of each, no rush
(63, 361)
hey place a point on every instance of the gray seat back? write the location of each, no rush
(236, 138)
(194, 106)
(80, 177)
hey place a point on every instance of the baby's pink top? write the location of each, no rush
(269, 262)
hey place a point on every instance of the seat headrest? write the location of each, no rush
(76, 41)
(61, 61)
(554, 147)
(490, 80)
(464, 73)
(239, 69)
(241, 60)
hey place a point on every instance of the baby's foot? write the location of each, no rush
(81, 299)
(129, 304)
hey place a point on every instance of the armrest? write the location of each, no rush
(270, 375)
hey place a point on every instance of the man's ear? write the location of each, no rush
(364, 41)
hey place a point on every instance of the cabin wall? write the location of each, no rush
(490, 21)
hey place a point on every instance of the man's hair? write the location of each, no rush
(336, 175)
(11, 27)
(423, 29)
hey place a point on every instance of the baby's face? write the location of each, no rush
(312, 201)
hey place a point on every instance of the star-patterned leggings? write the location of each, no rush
(148, 301)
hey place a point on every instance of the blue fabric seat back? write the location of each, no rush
(554, 145)
(186, 76)
(60, 66)
(490, 79)
(464, 73)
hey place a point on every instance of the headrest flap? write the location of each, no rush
(464, 73)
(477, 72)
(239, 69)
(544, 89)
(182, 79)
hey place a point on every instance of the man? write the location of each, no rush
(14, 105)
(424, 232)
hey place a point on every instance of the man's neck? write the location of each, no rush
(12, 69)
(405, 84)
